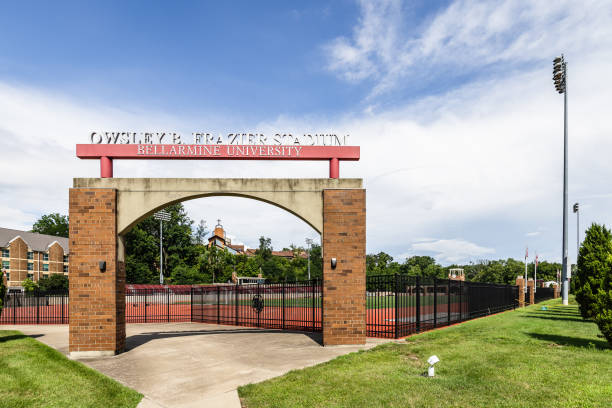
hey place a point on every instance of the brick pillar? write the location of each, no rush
(531, 286)
(344, 238)
(97, 298)
(520, 282)
(555, 291)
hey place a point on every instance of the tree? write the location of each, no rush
(199, 236)
(603, 318)
(29, 286)
(142, 246)
(55, 282)
(52, 224)
(594, 264)
(265, 248)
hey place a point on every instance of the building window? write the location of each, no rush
(65, 268)
(30, 276)
(6, 253)
(30, 255)
(6, 265)
(65, 258)
(8, 276)
(46, 267)
(45, 256)
(30, 266)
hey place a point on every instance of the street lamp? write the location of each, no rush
(161, 216)
(309, 243)
(577, 212)
(560, 81)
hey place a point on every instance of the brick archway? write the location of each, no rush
(101, 210)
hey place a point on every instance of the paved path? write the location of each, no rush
(188, 365)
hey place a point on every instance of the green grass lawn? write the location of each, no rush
(35, 375)
(522, 358)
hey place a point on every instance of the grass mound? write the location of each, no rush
(35, 375)
(524, 358)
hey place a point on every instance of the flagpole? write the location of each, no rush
(535, 275)
(526, 255)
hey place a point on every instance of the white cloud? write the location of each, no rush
(465, 37)
(482, 161)
(451, 250)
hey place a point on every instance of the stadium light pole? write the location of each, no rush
(577, 211)
(560, 81)
(161, 216)
(309, 243)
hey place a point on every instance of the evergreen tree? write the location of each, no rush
(594, 264)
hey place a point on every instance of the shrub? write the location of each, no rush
(594, 263)
(29, 286)
(54, 283)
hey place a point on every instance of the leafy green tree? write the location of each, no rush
(594, 264)
(142, 246)
(52, 224)
(29, 286)
(199, 236)
(185, 275)
(55, 282)
(424, 266)
(265, 248)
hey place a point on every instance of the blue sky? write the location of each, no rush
(451, 102)
(262, 60)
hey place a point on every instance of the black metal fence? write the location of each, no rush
(399, 305)
(542, 294)
(291, 306)
(35, 308)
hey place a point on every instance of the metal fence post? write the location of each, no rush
(312, 284)
(396, 290)
(236, 303)
(448, 317)
(218, 305)
(168, 303)
(435, 302)
(14, 311)
(37, 309)
(62, 309)
(145, 305)
(460, 301)
(283, 305)
(191, 303)
(418, 304)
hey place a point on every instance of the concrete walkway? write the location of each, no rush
(188, 365)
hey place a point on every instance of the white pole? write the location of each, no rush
(525, 286)
(161, 254)
(535, 275)
(565, 274)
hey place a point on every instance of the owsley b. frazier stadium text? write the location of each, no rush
(277, 139)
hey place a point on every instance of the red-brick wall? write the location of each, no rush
(344, 238)
(520, 282)
(97, 299)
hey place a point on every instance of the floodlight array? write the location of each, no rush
(559, 73)
(162, 215)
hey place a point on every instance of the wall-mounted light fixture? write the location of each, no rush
(102, 266)
(333, 263)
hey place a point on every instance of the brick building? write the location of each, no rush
(31, 255)
(220, 240)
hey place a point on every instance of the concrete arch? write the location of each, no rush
(138, 198)
(103, 209)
